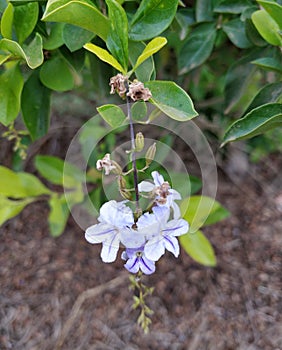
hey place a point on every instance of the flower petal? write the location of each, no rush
(148, 225)
(154, 248)
(171, 244)
(176, 210)
(158, 178)
(176, 228)
(174, 194)
(116, 214)
(146, 266)
(99, 233)
(132, 238)
(110, 249)
(132, 265)
(146, 186)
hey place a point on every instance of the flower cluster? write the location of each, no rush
(145, 240)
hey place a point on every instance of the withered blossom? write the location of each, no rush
(106, 164)
(118, 84)
(137, 91)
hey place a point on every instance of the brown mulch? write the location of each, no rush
(237, 305)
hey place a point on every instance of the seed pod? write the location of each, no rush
(139, 142)
(150, 154)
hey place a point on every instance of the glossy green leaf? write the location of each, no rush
(197, 49)
(11, 84)
(139, 111)
(7, 22)
(58, 216)
(267, 27)
(59, 172)
(257, 121)
(75, 37)
(25, 19)
(31, 53)
(235, 30)
(105, 56)
(10, 208)
(199, 248)
(55, 38)
(81, 13)
(151, 48)
(204, 10)
(252, 33)
(231, 6)
(4, 58)
(172, 100)
(112, 114)
(20, 185)
(146, 71)
(56, 74)
(269, 93)
(269, 63)
(35, 104)
(201, 211)
(117, 39)
(274, 9)
(152, 18)
(75, 59)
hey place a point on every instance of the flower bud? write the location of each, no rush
(139, 142)
(150, 154)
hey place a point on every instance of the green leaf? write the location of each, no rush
(146, 71)
(117, 39)
(139, 111)
(267, 27)
(152, 18)
(20, 185)
(274, 9)
(7, 22)
(235, 30)
(81, 13)
(252, 33)
(269, 63)
(10, 208)
(31, 53)
(257, 121)
(11, 84)
(25, 19)
(201, 211)
(56, 74)
(197, 49)
(35, 105)
(269, 93)
(231, 6)
(59, 172)
(204, 10)
(112, 114)
(105, 56)
(172, 100)
(152, 47)
(55, 38)
(75, 37)
(58, 216)
(199, 248)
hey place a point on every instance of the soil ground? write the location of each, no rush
(237, 305)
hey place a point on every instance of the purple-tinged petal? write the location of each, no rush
(158, 179)
(176, 210)
(154, 248)
(146, 266)
(162, 213)
(132, 238)
(174, 194)
(132, 265)
(171, 244)
(176, 228)
(99, 233)
(146, 186)
(148, 225)
(116, 214)
(110, 249)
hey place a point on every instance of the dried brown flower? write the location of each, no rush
(137, 91)
(117, 84)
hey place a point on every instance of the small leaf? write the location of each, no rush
(112, 114)
(55, 38)
(58, 216)
(11, 84)
(35, 104)
(172, 100)
(25, 19)
(59, 172)
(267, 27)
(7, 22)
(31, 53)
(105, 56)
(201, 211)
(56, 74)
(152, 47)
(274, 9)
(257, 121)
(75, 37)
(139, 110)
(152, 18)
(117, 39)
(20, 185)
(269, 63)
(81, 13)
(197, 49)
(204, 10)
(10, 208)
(231, 6)
(235, 30)
(199, 248)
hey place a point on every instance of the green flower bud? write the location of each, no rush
(139, 142)
(150, 154)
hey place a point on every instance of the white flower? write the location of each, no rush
(164, 195)
(161, 234)
(115, 220)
